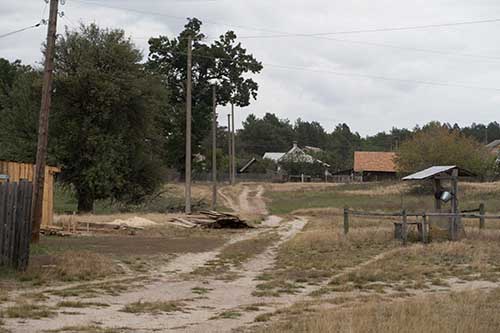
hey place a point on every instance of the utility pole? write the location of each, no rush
(230, 147)
(233, 148)
(43, 124)
(188, 124)
(214, 149)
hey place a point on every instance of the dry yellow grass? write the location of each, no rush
(71, 266)
(301, 187)
(387, 189)
(464, 312)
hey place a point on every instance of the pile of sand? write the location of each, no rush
(135, 222)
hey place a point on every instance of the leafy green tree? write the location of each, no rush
(20, 88)
(224, 61)
(267, 134)
(107, 112)
(310, 134)
(436, 144)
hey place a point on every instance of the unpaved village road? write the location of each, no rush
(172, 282)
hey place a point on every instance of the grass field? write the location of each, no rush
(317, 279)
(284, 199)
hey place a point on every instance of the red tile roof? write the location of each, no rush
(374, 161)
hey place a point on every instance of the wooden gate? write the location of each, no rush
(15, 224)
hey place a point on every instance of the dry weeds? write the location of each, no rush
(465, 312)
(235, 255)
(71, 266)
(153, 307)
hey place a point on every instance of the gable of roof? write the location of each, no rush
(374, 161)
(493, 144)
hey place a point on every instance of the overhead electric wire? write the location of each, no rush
(324, 35)
(21, 30)
(280, 34)
(369, 76)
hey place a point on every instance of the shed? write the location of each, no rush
(375, 166)
(452, 227)
(17, 171)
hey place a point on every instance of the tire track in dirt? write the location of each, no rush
(170, 284)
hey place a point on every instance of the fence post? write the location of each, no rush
(346, 220)
(424, 226)
(481, 217)
(405, 227)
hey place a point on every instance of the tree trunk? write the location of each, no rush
(85, 202)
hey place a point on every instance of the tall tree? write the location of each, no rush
(107, 111)
(20, 88)
(224, 61)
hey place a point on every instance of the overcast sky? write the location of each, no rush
(309, 84)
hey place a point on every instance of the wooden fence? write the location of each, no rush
(24, 171)
(15, 224)
(424, 224)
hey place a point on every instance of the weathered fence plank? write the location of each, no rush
(15, 224)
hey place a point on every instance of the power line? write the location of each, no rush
(369, 76)
(414, 27)
(23, 29)
(281, 34)
(324, 35)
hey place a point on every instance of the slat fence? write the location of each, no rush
(15, 224)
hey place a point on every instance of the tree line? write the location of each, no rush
(117, 122)
(272, 134)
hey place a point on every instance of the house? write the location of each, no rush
(296, 154)
(299, 162)
(494, 147)
(375, 166)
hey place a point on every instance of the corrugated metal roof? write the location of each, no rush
(274, 156)
(436, 170)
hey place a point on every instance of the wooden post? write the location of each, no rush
(405, 226)
(43, 124)
(214, 149)
(233, 148)
(230, 147)
(188, 124)
(424, 226)
(455, 220)
(346, 220)
(481, 216)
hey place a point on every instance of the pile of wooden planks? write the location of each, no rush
(211, 219)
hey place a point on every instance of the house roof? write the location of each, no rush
(374, 161)
(436, 170)
(493, 144)
(274, 156)
(294, 154)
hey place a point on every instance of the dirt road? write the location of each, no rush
(208, 303)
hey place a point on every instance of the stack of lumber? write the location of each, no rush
(211, 219)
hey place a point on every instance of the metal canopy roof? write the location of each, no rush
(436, 170)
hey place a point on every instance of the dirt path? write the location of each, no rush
(221, 306)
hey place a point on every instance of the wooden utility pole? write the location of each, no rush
(43, 124)
(214, 149)
(230, 159)
(188, 124)
(233, 148)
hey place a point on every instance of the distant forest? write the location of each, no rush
(272, 134)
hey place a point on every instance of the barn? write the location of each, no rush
(375, 166)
